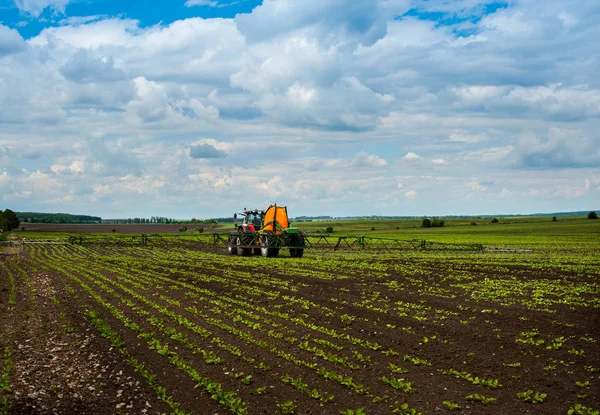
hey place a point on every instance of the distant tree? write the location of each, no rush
(9, 220)
(329, 229)
(432, 223)
(554, 219)
(592, 215)
(495, 220)
(473, 223)
(437, 223)
(183, 229)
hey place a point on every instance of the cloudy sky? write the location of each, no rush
(197, 108)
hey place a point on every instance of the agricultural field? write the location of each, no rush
(108, 329)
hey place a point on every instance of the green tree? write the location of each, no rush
(9, 220)
(592, 215)
(437, 223)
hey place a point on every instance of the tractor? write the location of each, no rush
(265, 232)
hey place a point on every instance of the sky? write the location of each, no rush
(198, 108)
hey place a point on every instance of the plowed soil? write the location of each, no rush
(278, 319)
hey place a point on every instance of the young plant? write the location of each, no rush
(451, 406)
(476, 397)
(287, 407)
(359, 411)
(531, 396)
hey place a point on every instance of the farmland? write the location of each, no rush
(113, 329)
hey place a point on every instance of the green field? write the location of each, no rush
(344, 332)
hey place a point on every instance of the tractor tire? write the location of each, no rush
(231, 248)
(298, 249)
(240, 250)
(268, 248)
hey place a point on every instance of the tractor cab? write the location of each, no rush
(252, 220)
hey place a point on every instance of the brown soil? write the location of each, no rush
(62, 365)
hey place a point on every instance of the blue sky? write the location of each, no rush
(193, 108)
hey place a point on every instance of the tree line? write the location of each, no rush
(38, 217)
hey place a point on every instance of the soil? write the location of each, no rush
(61, 365)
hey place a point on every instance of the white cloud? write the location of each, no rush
(209, 3)
(36, 7)
(320, 95)
(206, 151)
(410, 156)
(463, 136)
(151, 102)
(10, 41)
(563, 148)
(334, 21)
(79, 20)
(363, 159)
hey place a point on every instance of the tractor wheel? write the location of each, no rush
(231, 248)
(268, 244)
(240, 250)
(298, 249)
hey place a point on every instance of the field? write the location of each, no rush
(114, 329)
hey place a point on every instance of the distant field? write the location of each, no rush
(522, 232)
(106, 228)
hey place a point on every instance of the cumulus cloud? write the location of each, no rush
(152, 101)
(363, 159)
(410, 156)
(10, 41)
(86, 67)
(335, 21)
(313, 82)
(563, 148)
(206, 151)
